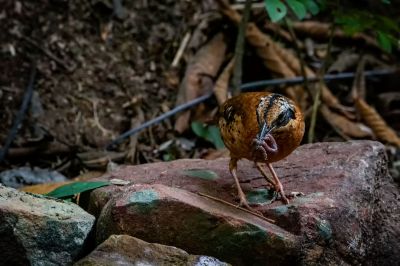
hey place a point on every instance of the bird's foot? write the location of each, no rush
(284, 199)
(245, 204)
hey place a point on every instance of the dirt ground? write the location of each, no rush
(95, 67)
(102, 69)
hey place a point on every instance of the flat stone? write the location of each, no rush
(349, 214)
(172, 216)
(35, 230)
(128, 250)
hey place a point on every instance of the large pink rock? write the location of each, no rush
(349, 214)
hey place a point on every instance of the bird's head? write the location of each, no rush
(274, 112)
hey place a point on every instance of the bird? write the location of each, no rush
(262, 127)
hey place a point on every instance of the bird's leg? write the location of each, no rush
(242, 196)
(278, 186)
(264, 174)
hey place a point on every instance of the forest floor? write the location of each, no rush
(103, 69)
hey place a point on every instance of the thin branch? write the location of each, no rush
(239, 49)
(237, 207)
(321, 74)
(181, 49)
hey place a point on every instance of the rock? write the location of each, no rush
(35, 230)
(172, 216)
(349, 214)
(127, 250)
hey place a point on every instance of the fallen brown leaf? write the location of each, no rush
(346, 126)
(322, 30)
(373, 119)
(199, 76)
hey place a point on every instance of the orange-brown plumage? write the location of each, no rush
(262, 127)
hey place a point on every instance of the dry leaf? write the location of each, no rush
(371, 117)
(199, 76)
(282, 33)
(347, 127)
(321, 30)
(222, 85)
(344, 61)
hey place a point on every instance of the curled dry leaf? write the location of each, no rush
(371, 117)
(199, 75)
(222, 84)
(346, 126)
(284, 35)
(322, 30)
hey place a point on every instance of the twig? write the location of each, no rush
(239, 49)
(181, 49)
(320, 77)
(21, 113)
(237, 207)
(251, 86)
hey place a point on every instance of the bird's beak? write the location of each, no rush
(265, 130)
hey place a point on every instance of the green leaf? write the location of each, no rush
(386, 2)
(298, 8)
(384, 41)
(387, 24)
(75, 188)
(275, 9)
(200, 173)
(210, 133)
(311, 6)
(215, 137)
(168, 157)
(199, 129)
(350, 23)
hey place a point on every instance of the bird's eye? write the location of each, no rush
(284, 118)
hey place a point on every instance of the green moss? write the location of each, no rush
(324, 229)
(281, 210)
(145, 200)
(144, 196)
(201, 173)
